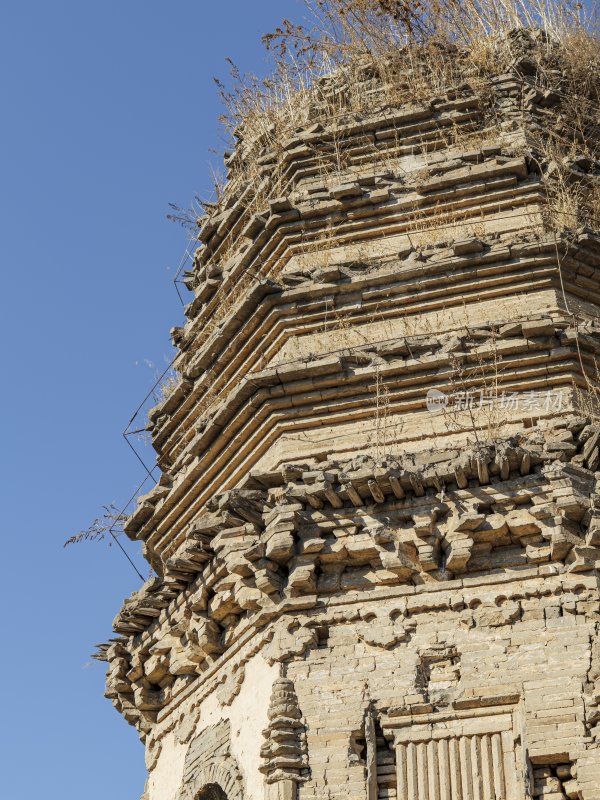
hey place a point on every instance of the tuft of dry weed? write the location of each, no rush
(352, 56)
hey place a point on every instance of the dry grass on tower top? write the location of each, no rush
(354, 56)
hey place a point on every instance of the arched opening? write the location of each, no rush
(212, 792)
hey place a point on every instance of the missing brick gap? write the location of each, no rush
(555, 780)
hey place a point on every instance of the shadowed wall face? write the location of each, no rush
(212, 793)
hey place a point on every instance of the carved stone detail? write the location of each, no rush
(232, 685)
(384, 631)
(292, 639)
(284, 752)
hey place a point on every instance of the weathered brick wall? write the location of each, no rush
(504, 674)
(524, 646)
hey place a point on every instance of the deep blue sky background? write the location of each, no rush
(108, 112)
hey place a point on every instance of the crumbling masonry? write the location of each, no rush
(361, 594)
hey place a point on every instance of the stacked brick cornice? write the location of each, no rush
(357, 597)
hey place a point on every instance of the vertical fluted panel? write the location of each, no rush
(445, 779)
(413, 787)
(401, 771)
(487, 773)
(498, 766)
(455, 771)
(423, 777)
(466, 771)
(457, 768)
(433, 770)
(476, 781)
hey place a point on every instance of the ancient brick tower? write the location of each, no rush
(376, 535)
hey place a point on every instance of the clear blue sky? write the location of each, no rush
(108, 113)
